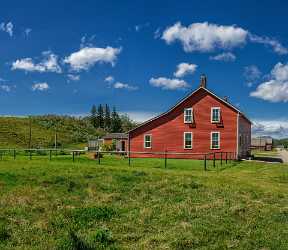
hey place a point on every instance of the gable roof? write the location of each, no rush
(188, 96)
(116, 136)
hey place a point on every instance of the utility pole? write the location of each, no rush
(55, 138)
(30, 132)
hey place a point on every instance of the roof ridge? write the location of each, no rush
(185, 98)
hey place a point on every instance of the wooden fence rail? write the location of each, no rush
(226, 157)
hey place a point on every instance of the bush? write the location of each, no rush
(107, 147)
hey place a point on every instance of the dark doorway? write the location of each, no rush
(122, 145)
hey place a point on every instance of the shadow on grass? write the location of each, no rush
(268, 159)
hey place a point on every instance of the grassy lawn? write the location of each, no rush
(59, 204)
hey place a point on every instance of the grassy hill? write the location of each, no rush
(82, 205)
(71, 131)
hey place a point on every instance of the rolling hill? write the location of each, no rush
(71, 131)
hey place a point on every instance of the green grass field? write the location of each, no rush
(59, 204)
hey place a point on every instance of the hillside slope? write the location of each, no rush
(71, 131)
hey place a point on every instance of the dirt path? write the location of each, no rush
(284, 155)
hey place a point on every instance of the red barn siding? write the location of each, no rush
(245, 133)
(168, 131)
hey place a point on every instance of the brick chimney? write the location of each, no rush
(203, 81)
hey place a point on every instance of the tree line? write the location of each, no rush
(101, 117)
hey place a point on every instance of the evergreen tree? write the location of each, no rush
(100, 116)
(107, 118)
(127, 123)
(93, 116)
(116, 125)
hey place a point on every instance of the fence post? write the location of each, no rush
(214, 160)
(73, 156)
(129, 149)
(226, 158)
(165, 156)
(205, 162)
(98, 155)
(221, 158)
(14, 154)
(50, 154)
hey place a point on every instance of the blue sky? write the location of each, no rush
(143, 56)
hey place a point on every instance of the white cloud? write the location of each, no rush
(120, 85)
(185, 69)
(41, 86)
(251, 74)
(225, 57)
(140, 116)
(275, 89)
(205, 37)
(275, 128)
(166, 83)
(157, 33)
(8, 27)
(87, 57)
(109, 79)
(5, 88)
(276, 45)
(73, 77)
(139, 27)
(48, 64)
(27, 32)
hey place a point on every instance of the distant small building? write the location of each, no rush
(262, 143)
(95, 144)
(120, 140)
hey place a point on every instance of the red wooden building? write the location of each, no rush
(200, 123)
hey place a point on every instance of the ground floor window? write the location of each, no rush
(215, 140)
(147, 141)
(187, 140)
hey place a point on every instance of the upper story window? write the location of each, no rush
(188, 140)
(215, 115)
(215, 140)
(147, 141)
(188, 115)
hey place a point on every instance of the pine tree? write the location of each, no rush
(100, 116)
(107, 118)
(93, 116)
(116, 125)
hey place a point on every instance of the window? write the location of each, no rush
(215, 115)
(147, 141)
(188, 115)
(215, 140)
(187, 140)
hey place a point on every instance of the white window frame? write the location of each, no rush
(184, 141)
(150, 140)
(215, 108)
(192, 118)
(219, 139)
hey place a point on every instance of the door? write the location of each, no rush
(123, 146)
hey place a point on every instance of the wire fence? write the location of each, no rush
(207, 159)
